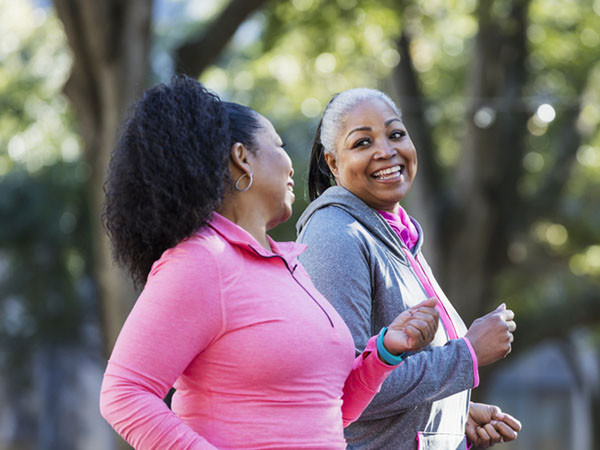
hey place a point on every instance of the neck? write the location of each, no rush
(392, 209)
(243, 214)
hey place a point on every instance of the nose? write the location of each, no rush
(385, 151)
(289, 161)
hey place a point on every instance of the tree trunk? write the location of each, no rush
(490, 165)
(486, 207)
(110, 42)
(463, 221)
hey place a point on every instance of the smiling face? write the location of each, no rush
(273, 186)
(375, 158)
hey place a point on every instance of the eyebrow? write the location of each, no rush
(357, 129)
(386, 123)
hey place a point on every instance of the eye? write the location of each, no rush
(362, 142)
(397, 134)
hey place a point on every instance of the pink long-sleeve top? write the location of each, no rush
(258, 357)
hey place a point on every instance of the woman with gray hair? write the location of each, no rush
(364, 255)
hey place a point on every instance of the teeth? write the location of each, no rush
(391, 170)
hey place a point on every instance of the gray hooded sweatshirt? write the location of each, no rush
(358, 263)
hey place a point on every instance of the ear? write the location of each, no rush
(239, 161)
(331, 161)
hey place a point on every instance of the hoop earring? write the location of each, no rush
(236, 186)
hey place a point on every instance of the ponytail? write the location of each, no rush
(167, 173)
(319, 175)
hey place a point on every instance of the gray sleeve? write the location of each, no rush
(337, 259)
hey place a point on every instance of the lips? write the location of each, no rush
(389, 173)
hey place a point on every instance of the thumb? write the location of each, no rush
(470, 428)
(497, 413)
(501, 307)
(430, 302)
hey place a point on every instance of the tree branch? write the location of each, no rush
(200, 51)
(413, 104)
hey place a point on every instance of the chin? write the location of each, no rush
(398, 194)
(283, 217)
(287, 214)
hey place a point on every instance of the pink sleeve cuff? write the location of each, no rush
(365, 380)
(475, 363)
(374, 369)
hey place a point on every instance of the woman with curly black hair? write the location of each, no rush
(227, 315)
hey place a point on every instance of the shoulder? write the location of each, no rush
(332, 222)
(334, 235)
(201, 250)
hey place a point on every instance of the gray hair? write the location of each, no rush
(336, 111)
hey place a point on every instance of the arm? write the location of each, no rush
(166, 329)
(427, 376)
(368, 373)
(411, 330)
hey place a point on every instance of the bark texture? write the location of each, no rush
(110, 42)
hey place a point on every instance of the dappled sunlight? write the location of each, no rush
(523, 135)
(586, 263)
(216, 79)
(325, 63)
(589, 156)
(311, 107)
(35, 127)
(533, 161)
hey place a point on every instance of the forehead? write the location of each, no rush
(369, 111)
(266, 127)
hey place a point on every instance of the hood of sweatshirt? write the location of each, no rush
(339, 197)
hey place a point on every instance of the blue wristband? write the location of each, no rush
(392, 360)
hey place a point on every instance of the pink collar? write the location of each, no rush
(403, 226)
(237, 235)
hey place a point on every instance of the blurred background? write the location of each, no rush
(502, 100)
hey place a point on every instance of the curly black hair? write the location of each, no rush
(170, 169)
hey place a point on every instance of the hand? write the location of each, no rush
(487, 425)
(413, 329)
(491, 335)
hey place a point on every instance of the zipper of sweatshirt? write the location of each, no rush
(291, 272)
(424, 280)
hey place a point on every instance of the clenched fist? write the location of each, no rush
(487, 425)
(492, 335)
(413, 329)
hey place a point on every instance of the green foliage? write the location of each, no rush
(563, 69)
(287, 62)
(307, 50)
(45, 284)
(46, 290)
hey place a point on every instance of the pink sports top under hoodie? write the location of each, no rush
(258, 357)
